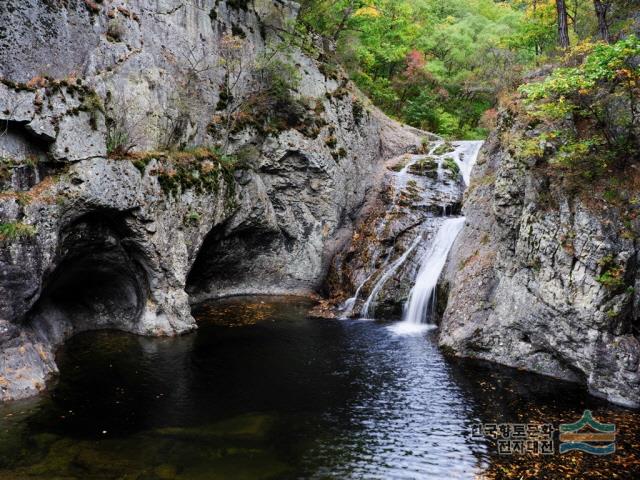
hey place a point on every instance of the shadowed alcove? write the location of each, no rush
(230, 264)
(99, 281)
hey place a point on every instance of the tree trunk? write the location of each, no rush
(602, 8)
(563, 25)
(346, 15)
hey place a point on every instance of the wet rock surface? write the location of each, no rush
(375, 273)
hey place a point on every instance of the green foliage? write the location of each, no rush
(612, 276)
(16, 230)
(446, 147)
(451, 165)
(427, 166)
(430, 63)
(600, 97)
(278, 75)
(530, 148)
(614, 64)
(536, 33)
(117, 141)
(200, 168)
(191, 218)
(439, 65)
(268, 102)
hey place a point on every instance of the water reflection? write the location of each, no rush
(261, 391)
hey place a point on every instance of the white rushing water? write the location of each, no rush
(366, 309)
(349, 303)
(422, 294)
(465, 155)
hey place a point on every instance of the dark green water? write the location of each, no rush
(263, 391)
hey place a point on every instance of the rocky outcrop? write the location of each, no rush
(545, 277)
(373, 275)
(95, 239)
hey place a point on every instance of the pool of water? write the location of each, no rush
(261, 390)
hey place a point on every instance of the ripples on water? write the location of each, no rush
(261, 391)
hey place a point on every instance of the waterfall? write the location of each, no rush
(366, 309)
(349, 303)
(465, 156)
(422, 295)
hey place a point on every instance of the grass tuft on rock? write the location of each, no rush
(16, 230)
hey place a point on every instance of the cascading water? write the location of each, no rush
(464, 154)
(366, 309)
(349, 303)
(422, 296)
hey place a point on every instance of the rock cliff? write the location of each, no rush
(117, 212)
(378, 267)
(544, 275)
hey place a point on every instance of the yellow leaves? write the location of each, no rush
(368, 11)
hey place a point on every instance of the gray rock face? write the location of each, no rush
(91, 241)
(541, 279)
(396, 230)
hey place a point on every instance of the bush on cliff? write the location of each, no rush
(590, 107)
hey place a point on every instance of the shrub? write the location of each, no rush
(443, 149)
(451, 165)
(612, 276)
(199, 168)
(124, 125)
(600, 96)
(115, 30)
(16, 230)
(191, 218)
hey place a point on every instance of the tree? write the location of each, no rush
(536, 32)
(563, 24)
(601, 96)
(233, 93)
(602, 8)
(347, 12)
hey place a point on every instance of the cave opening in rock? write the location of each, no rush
(99, 282)
(232, 264)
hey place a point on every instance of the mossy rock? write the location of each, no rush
(427, 167)
(443, 149)
(400, 165)
(451, 165)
